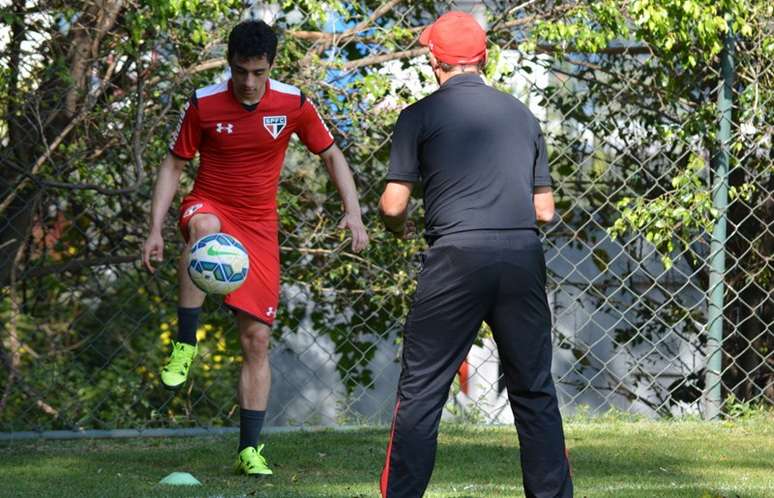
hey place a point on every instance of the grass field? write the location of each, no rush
(611, 457)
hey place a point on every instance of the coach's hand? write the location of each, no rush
(409, 231)
(354, 223)
(153, 250)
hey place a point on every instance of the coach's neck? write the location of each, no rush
(444, 72)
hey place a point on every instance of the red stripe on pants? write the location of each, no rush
(386, 469)
(463, 373)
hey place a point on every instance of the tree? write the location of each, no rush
(651, 103)
(90, 91)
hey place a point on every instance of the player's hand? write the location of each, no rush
(354, 223)
(153, 250)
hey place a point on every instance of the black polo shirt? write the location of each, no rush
(479, 154)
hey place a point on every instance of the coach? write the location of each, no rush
(481, 159)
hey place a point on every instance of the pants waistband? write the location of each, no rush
(513, 239)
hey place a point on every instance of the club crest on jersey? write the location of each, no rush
(275, 124)
(225, 127)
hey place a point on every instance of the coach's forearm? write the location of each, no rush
(394, 205)
(340, 174)
(545, 209)
(164, 190)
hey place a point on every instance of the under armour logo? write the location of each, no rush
(227, 127)
(191, 210)
(271, 311)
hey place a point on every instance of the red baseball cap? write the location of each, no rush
(455, 38)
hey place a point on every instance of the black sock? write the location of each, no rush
(187, 323)
(250, 425)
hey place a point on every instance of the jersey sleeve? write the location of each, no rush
(185, 140)
(540, 168)
(312, 130)
(404, 153)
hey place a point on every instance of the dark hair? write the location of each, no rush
(252, 39)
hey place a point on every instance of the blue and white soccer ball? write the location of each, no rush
(218, 263)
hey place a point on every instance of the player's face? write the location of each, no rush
(249, 78)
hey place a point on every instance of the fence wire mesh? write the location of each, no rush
(91, 92)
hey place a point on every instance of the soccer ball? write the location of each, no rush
(218, 263)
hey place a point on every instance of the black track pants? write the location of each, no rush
(467, 278)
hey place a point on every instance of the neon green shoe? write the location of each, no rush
(175, 372)
(250, 462)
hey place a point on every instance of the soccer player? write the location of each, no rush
(241, 129)
(481, 159)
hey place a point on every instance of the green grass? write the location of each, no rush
(611, 457)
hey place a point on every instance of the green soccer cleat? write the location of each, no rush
(175, 372)
(250, 462)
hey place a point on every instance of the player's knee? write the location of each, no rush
(255, 340)
(203, 224)
(255, 348)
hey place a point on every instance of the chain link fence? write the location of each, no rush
(663, 175)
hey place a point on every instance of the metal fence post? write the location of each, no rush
(720, 164)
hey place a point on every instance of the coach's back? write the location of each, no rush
(481, 154)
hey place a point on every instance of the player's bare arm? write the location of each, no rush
(393, 208)
(338, 169)
(163, 193)
(543, 198)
